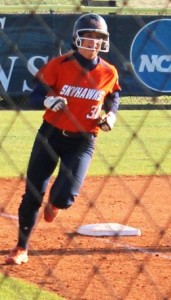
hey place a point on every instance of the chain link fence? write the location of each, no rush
(128, 185)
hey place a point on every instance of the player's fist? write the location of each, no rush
(107, 122)
(55, 103)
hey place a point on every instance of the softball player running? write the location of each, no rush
(74, 89)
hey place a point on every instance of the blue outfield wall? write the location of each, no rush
(139, 48)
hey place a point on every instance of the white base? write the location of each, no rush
(108, 229)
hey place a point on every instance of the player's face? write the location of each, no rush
(91, 44)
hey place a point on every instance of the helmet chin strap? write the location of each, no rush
(104, 45)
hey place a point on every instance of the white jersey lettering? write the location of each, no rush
(81, 92)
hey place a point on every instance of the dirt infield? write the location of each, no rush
(88, 268)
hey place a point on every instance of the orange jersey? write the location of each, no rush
(84, 90)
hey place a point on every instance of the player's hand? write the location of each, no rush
(107, 122)
(55, 103)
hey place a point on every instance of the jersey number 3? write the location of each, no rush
(94, 112)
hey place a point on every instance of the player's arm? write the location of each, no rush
(111, 102)
(37, 96)
(110, 106)
(39, 100)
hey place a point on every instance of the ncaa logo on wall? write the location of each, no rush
(150, 55)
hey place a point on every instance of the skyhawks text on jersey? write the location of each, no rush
(81, 92)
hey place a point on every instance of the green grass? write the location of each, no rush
(138, 145)
(44, 8)
(16, 137)
(162, 100)
(13, 289)
(132, 7)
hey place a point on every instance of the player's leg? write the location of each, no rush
(73, 168)
(42, 163)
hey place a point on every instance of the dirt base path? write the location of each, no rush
(87, 268)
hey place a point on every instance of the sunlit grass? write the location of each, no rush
(139, 144)
(13, 289)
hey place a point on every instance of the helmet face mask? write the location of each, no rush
(79, 42)
(90, 23)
